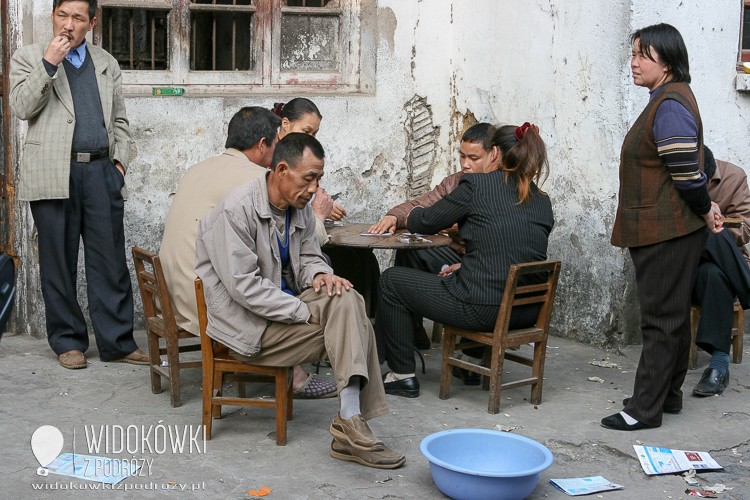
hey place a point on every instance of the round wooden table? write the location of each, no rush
(350, 235)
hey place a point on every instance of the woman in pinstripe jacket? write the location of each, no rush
(505, 219)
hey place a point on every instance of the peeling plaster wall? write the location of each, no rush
(562, 64)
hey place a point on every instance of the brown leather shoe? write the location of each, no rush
(72, 360)
(380, 459)
(136, 357)
(356, 432)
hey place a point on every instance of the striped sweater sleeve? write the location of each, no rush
(676, 136)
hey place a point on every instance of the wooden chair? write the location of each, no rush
(161, 325)
(738, 333)
(502, 338)
(219, 367)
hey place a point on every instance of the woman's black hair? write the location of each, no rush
(668, 43)
(296, 108)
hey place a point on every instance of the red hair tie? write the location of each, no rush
(277, 108)
(521, 131)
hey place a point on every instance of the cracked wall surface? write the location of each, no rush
(561, 64)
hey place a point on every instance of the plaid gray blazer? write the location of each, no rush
(47, 104)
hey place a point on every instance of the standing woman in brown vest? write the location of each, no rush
(663, 210)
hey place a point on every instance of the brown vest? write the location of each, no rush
(651, 209)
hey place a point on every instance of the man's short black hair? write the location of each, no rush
(292, 147)
(668, 43)
(251, 124)
(92, 7)
(709, 162)
(481, 132)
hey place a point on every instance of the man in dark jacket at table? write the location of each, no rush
(477, 156)
(723, 273)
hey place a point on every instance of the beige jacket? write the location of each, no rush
(197, 194)
(728, 188)
(237, 257)
(47, 104)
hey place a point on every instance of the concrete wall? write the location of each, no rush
(561, 64)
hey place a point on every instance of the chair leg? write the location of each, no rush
(487, 362)
(421, 358)
(154, 360)
(241, 393)
(281, 379)
(218, 386)
(173, 358)
(695, 317)
(290, 395)
(208, 392)
(449, 348)
(537, 371)
(738, 341)
(496, 379)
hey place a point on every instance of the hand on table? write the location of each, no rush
(386, 225)
(57, 49)
(322, 204)
(449, 270)
(331, 282)
(713, 219)
(451, 230)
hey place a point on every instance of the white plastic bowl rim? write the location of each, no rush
(548, 458)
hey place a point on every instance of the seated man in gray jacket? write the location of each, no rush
(274, 301)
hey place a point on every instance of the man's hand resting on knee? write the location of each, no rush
(331, 282)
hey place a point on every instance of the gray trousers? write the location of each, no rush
(345, 334)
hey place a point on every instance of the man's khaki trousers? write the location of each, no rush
(344, 334)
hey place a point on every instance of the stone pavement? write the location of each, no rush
(242, 455)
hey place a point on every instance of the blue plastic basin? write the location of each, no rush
(480, 464)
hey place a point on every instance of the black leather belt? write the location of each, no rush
(87, 157)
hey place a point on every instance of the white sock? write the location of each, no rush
(350, 398)
(395, 377)
(628, 419)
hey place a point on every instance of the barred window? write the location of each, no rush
(239, 46)
(745, 31)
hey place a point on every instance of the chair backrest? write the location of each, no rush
(153, 287)
(541, 293)
(207, 345)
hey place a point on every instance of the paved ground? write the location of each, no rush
(35, 390)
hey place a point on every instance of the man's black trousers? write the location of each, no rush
(723, 274)
(94, 211)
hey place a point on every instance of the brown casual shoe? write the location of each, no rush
(380, 459)
(356, 432)
(136, 357)
(72, 360)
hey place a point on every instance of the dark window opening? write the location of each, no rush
(137, 38)
(221, 41)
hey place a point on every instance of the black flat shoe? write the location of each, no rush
(407, 388)
(712, 383)
(469, 377)
(618, 423)
(422, 340)
(673, 411)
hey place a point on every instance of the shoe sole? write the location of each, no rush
(74, 367)
(404, 393)
(343, 437)
(352, 458)
(129, 361)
